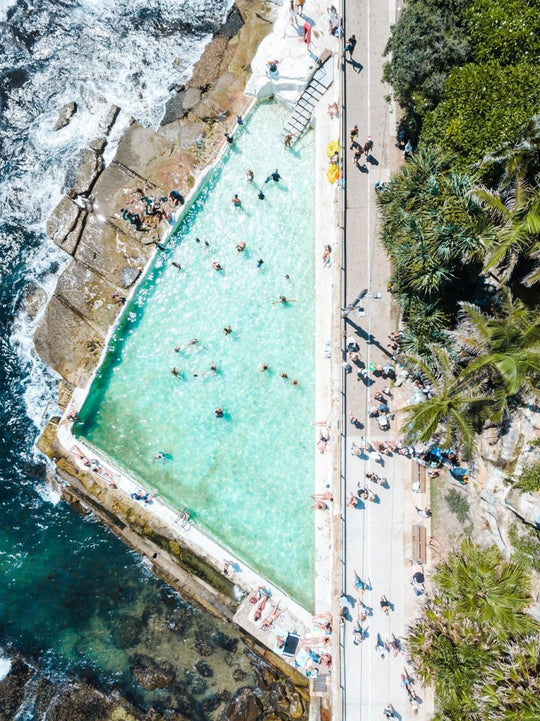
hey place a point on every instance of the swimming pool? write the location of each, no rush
(246, 476)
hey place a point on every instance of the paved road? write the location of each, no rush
(377, 536)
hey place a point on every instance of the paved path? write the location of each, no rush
(377, 536)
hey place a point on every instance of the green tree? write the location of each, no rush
(504, 30)
(425, 44)
(484, 105)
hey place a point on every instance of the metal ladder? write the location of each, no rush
(309, 98)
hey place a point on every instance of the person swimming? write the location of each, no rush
(275, 176)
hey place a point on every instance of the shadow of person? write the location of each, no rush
(356, 66)
(371, 160)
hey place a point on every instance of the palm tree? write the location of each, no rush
(515, 211)
(520, 158)
(450, 653)
(510, 689)
(504, 348)
(481, 586)
(448, 411)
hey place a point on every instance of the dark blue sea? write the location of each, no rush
(73, 599)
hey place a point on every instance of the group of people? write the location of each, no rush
(358, 149)
(146, 212)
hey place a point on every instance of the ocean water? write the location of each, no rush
(69, 590)
(246, 478)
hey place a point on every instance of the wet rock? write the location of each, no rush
(244, 706)
(62, 220)
(12, 689)
(179, 619)
(278, 698)
(126, 631)
(98, 145)
(225, 642)
(174, 108)
(90, 166)
(265, 676)
(150, 674)
(128, 276)
(233, 24)
(65, 114)
(34, 299)
(238, 674)
(296, 708)
(78, 702)
(109, 119)
(204, 669)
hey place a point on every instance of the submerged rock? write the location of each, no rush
(244, 706)
(204, 669)
(179, 619)
(225, 642)
(35, 298)
(65, 114)
(204, 649)
(150, 674)
(126, 631)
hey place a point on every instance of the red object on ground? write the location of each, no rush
(307, 33)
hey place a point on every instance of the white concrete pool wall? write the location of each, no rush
(296, 65)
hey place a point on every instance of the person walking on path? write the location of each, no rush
(351, 44)
(368, 146)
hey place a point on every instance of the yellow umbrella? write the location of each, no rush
(333, 148)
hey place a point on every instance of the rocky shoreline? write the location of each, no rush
(108, 257)
(27, 688)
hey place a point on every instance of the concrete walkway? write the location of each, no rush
(377, 543)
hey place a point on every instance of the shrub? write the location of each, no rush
(484, 106)
(529, 479)
(458, 504)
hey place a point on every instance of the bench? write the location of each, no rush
(421, 477)
(418, 543)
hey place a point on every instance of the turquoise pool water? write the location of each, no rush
(247, 476)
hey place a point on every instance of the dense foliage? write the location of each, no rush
(483, 106)
(472, 627)
(427, 42)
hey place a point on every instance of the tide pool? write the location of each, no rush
(247, 476)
